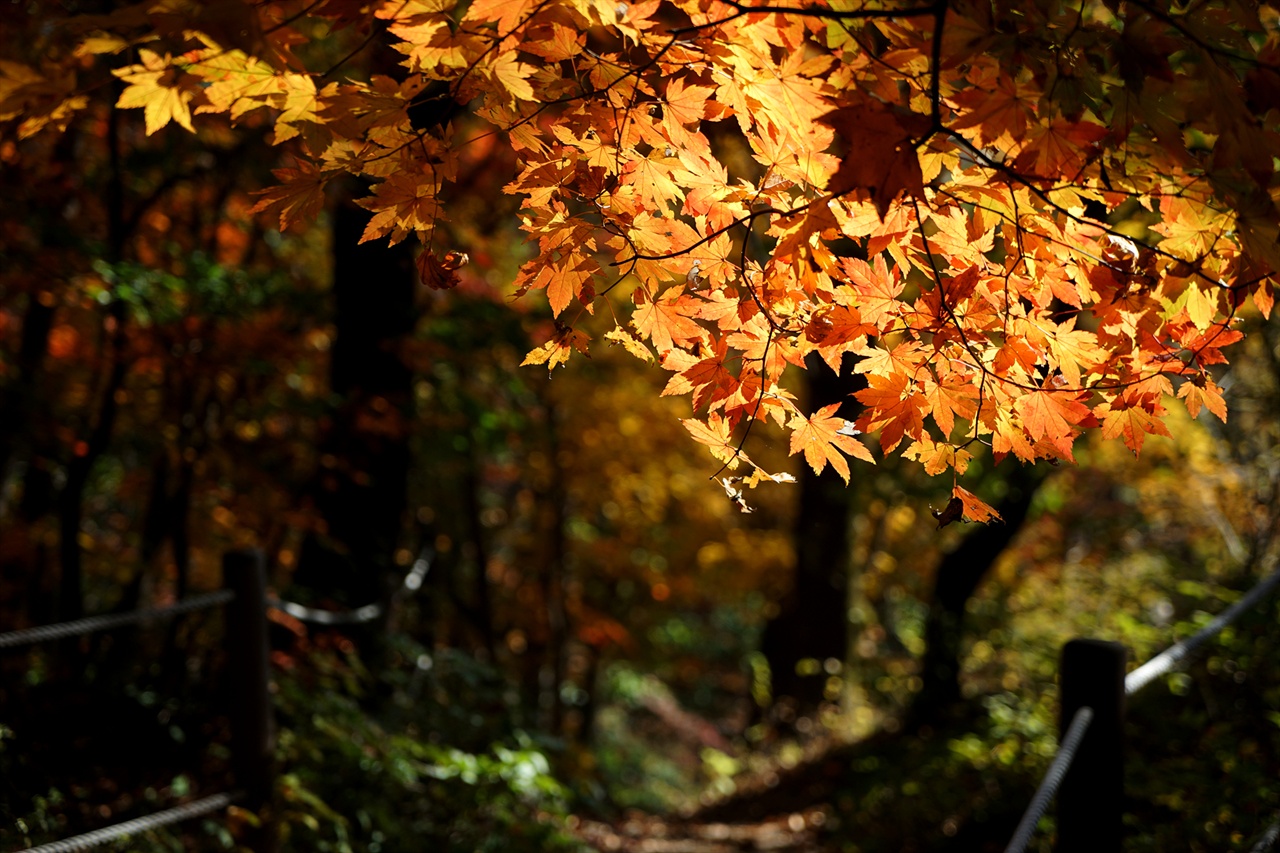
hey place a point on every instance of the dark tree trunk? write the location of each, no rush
(361, 491)
(552, 582)
(482, 608)
(958, 577)
(812, 618)
(17, 397)
(71, 497)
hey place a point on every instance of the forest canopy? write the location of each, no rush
(1017, 221)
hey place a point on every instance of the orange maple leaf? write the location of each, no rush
(1201, 392)
(975, 509)
(882, 157)
(1053, 416)
(667, 320)
(954, 395)
(1133, 423)
(876, 287)
(822, 437)
(836, 330)
(709, 380)
(893, 407)
(299, 197)
(403, 202)
(686, 104)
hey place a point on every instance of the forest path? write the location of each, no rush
(791, 833)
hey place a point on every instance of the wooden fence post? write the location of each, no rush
(1091, 798)
(248, 677)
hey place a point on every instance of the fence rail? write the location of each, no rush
(195, 808)
(107, 621)
(245, 637)
(253, 729)
(1268, 839)
(1052, 779)
(1103, 788)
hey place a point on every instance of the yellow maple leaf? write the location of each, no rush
(558, 349)
(151, 87)
(513, 76)
(403, 202)
(716, 433)
(630, 343)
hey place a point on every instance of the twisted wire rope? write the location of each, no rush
(1052, 779)
(89, 840)
(317, 616)
(1166, 661)
(1171, 657)
(107, 621)
(1268, 839)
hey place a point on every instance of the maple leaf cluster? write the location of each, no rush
(1021, 221)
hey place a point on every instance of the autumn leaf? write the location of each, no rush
(716, 433)
(512, 77)
(769, 185)
(953, 511)
(1201, 392)
(882, 157)
(400, 204)
(1074, 351)
(938, 457)
(954, 395)
(1052, 416)
(877, 289)
(298, 198)
(630, 343)
(824, 438)
(557, 350)
(667, 321)
(440, 273)
(975, 509)
(836, 330)
(154, 87)
(686, 104)
(709, 380)
(893, 407)
(1133, 424)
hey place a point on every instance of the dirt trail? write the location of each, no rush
(792, 833)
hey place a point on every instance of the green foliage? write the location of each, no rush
(196, 286)
(383, 772)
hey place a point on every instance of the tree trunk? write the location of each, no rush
(361, 491)
(811, 622)
(71, 497)
(552, 582)
(957, 579)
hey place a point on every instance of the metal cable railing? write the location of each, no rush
(1052, 779)
(1139, 678)
(91, 624)
(1268, 839)
(244, 574)
(316, 616)
(107, 621)
(1171, 657)
(89, 840)
(360, 615)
